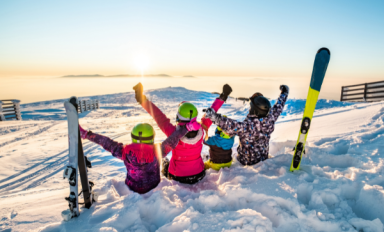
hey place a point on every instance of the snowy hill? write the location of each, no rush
(339, 187)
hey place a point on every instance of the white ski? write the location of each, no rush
(71, 172)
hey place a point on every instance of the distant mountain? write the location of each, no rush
(189, 76)
(138, 75)
(120, 75)
(92, 75)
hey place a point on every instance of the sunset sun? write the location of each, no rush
(141, 63)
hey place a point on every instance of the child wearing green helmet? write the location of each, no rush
(141, 157)
(186, 164)
(220, 150)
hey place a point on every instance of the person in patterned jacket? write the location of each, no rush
(255, 131)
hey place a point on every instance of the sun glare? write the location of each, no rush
(141, 63)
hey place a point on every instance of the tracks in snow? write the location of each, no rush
(37, 132)
(38, 173)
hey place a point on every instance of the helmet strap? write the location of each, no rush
(190, 114)
(141, 138)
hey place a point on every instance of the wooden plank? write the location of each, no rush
(9, 113)
(381, 96)
(376, 82)
(376, 87)
(348, 86)
(346, 95)
(370, 83)
(361, 98)
(375, 92)
(350, 90)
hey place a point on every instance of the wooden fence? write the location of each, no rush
(9, 110)
(367, 92)
(88, 105)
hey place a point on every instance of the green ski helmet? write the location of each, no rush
(186, 112)
(143, 133)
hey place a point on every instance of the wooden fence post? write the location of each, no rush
(2, 118)
(16, 104)
(81, 104)
(365, 91)
(342, 92)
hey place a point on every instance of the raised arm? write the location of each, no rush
(162, 121)
(206, 122)
(278, 107)
(231, 126)
(171, 142)
(108, 144)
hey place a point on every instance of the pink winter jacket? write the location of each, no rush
(186, 158)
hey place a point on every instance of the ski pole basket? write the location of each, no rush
(367, 92)
(10, 110)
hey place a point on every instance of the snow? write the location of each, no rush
(339, 187)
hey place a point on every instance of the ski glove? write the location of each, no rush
(83, 133)
(211, 114)
(140, 97)
(284, 89)
(226, 91)
(193, 125)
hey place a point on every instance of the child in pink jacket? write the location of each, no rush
(186, 164)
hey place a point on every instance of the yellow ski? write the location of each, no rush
(319, 68)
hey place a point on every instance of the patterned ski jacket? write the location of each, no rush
(254, 133)
(143, 171)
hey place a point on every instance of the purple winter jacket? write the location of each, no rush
(143, 171)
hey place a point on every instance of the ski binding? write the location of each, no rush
(70, 213)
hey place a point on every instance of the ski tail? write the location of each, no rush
(320, 66)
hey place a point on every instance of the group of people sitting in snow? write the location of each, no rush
(186, 139)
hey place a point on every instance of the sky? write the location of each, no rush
(261, 39)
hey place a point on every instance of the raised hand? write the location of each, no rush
(140, 97)
(284, 89)
(211, 114)
(226, 91)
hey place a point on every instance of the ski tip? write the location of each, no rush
(324, 49)
(73, 100)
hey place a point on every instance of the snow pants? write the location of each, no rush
(182, 179)
(208, 164)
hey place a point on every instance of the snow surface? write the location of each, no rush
(339, 187)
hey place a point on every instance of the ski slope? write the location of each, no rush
(339, 187)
